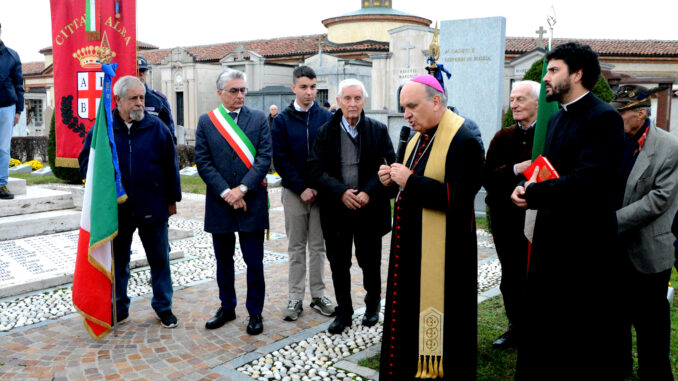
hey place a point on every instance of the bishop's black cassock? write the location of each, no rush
(454, 196)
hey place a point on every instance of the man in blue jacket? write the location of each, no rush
(293, 134)
(150, 176)
(156, 102)
(11, 106)
(233, 154)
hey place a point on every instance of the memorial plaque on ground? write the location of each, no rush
(473, 51)
(35, 263)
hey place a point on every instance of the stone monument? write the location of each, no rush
(473, 51)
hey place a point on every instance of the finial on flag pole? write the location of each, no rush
(434, 68)
(551, 19)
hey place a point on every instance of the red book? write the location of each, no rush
(546, 170)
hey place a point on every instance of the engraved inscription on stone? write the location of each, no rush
(33, 258)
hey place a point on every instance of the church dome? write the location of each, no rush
(371, 22)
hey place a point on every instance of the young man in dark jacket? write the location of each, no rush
(293, 133)
(11, 106)
(150, 176)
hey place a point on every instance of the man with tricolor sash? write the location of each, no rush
(431, 298)
(150, 177)
(233, 154)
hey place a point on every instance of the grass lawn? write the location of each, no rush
(481, 223)
(36, 180)
(500, 365)
(193, 184)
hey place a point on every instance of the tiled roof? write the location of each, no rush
(603, 47)
(28, 68)
(140, 46)
(153, 57)
(277, 47)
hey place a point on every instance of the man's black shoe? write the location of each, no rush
(220, 318)
(507, 340)
(370, 318)
(338, 325)
(167, 319)
(5, 194)
(256, 324)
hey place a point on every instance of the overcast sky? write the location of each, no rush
(26, 24)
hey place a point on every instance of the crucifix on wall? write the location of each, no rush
(408, 47)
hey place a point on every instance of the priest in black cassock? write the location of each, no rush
(570, 328)
(431, 298)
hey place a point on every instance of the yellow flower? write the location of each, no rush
(35, 164)
(14, 162)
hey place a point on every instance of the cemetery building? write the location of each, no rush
(377, 44)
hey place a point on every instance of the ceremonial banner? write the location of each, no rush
(84, 32)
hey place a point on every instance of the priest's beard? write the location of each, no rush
(557, 91)
(136, 115)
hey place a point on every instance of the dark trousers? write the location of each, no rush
(647, 310)
(368, 252)
(156, 245)
(511, 246)
(252, 247)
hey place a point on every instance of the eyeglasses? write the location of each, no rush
(235, 90)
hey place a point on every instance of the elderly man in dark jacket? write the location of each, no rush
(11, 106)
(233, 154)
(354, 205)
(150, 176)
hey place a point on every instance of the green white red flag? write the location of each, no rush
(93, 275)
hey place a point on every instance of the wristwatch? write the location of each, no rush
(243, 188)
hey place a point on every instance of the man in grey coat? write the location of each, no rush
(649, 179)
(233, 153)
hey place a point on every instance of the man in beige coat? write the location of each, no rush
(649, 179)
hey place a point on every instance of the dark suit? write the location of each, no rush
(222, 169)
(574, 250)
(342, 226)
(648, 208)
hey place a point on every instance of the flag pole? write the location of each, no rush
(115, 303)
(551, 20)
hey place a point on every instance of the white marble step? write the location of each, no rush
(28, 225)
(35, 200)
(16, 185)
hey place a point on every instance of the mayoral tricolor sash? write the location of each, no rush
(234, 135)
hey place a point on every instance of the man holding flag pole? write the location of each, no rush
(149, 172)
(99, 223)
(573, 253)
